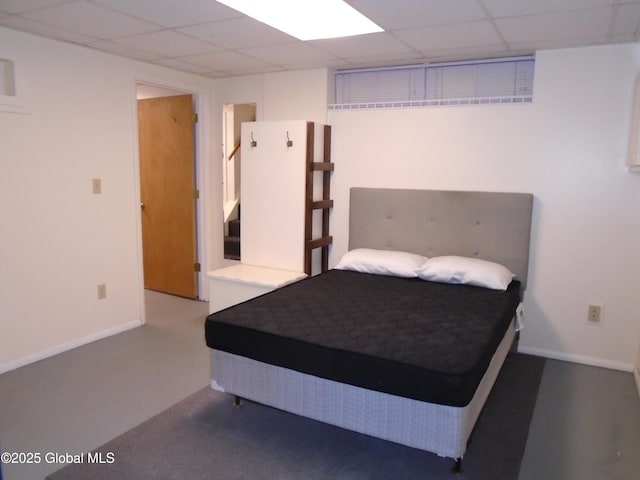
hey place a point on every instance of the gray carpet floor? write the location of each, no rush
(205, 437)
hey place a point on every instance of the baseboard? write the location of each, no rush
(78, 342)
(582, 359)
(636, 374)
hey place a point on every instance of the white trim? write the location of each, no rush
(582, 359)
(138, 198)
(636, 375)
(78, 342)
(201, 152)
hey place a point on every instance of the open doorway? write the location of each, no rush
(233, 115)
(168, 194)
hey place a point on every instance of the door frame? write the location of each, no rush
(201, 148)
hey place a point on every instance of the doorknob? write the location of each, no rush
(142, 205)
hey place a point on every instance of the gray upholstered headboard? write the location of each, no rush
(489, 225)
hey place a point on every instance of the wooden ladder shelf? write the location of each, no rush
(325, 167)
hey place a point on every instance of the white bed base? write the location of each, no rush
(441, 429)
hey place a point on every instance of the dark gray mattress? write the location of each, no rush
(422, 340)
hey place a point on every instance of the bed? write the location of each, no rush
(409, 359)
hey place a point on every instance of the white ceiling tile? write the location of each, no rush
(290, 53)
(225, 33)
(418, 13)
(382, 61)
(551, 44)
(306, 64)
(360, 45)
(172, 13)
(224, 60)
(215, 74)
(459, 54)
(180, 65)
(21, 6)
(36, 28)
(167, 43)
(237, 72)
(511, 8)
(226, 42)
(89, 19)
(463, 35)
(117, 49)
(563, 28)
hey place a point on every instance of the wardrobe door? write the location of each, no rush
(273, 194)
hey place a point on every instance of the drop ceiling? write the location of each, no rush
(208, 38)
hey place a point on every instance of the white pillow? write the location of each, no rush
(470, 271)
(381, 262)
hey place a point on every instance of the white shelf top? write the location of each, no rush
(253, 275)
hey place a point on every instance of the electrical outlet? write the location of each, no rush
(593, 314)
(102, 291)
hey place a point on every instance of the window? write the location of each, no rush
(505, 80)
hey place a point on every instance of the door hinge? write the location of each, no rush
(196, 266)
(194, 117)
(196, 194)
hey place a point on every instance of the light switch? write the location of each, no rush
(97, 186)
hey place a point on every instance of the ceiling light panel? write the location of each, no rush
(308, 20)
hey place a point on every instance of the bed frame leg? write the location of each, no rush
(457, 466)
(237, 401)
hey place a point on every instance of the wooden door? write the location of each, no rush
(167, 194)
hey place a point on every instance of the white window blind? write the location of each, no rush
(505, 80)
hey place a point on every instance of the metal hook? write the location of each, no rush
(253, 142)
(289, 142)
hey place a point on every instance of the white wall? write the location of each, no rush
(37, 272)
(297, 95)
(568, 149)
(58, 240)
